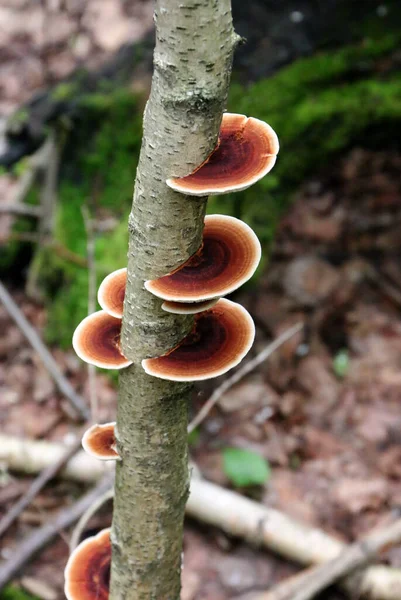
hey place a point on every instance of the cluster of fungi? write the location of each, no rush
(223, 330)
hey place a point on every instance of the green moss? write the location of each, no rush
(14, 593)
(18, 120)
(64, 91)
(319, 107)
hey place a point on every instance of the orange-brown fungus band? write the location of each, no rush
(246, 152)
(87, 574)
(97, 341)
(229, 256)
(100, 442)
(112, 292)
(222, 336)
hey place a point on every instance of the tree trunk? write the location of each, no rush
(192, 65)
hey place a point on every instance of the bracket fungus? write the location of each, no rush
(228, 257)
(182, 308)
(96, 340)
(246, 152)
(111, 292)
(221, 337)
(100, 441)
(87, 574)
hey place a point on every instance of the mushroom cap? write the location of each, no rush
(221, 337)
(181, 308)
(246, 152)
(112, 291)
(87, 574)
(97, 341)
(228, 257)
(100, 441)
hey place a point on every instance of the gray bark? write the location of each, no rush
(195, 41)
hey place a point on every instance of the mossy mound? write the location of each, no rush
(319, 107)
(99, 165)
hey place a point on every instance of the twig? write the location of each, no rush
(62, 383)
(90, 255)
(235, 514)
(61, 250)
(41, 537)
(88, 514)
(46, 475)
(312, 582)
(241, 373)
(48, 199)
(21, 209)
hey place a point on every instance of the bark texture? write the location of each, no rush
(192, 65)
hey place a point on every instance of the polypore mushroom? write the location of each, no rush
(97, 341)
(100, 442)
(221, 337)
(180, 308)
(227, 258)
(246, 152)
(87, 574)
(112, 291)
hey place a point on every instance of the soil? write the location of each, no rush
(323, 410)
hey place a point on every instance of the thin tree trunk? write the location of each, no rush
(192, 65)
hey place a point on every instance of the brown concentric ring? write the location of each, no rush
(100, 441)
(87, 574)
(246, 152)
(111, 293)
(97, 341)
(229, 256)
(222, 336)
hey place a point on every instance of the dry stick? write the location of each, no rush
(235, 514)
(62, 383)
(47, 202)
(61, 250)
(312, 582)
(42, 536)
(46, 475)
(90, 255)
(88, 514)
(241, 373)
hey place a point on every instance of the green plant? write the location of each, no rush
(244, 467)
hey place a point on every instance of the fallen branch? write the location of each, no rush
(307, 585)
(88, 514)
(235, 514)
(30, 546)
(31, 335)
(41, 480)
(241, 373)
(92, 287)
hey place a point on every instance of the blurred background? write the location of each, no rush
(314, 431)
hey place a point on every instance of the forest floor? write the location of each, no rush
(323, 410)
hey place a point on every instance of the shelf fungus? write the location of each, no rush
(228, 257)
(112, 291)
(221, 337)
(246, 152)
(87, 574)
(100, 442)
(181, 308)
(96, 340)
